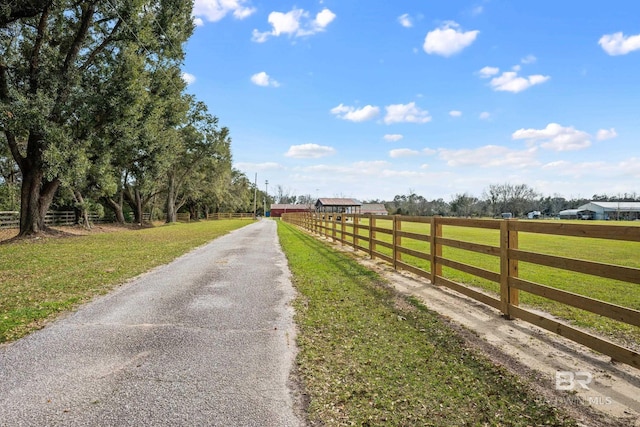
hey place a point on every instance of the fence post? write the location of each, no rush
(333, 227)
(342, 222)
(326, 226)
(435, 249)
(356, 224)
(508, 267)
(397, 240)
(372, 235)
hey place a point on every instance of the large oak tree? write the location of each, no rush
(54, 58)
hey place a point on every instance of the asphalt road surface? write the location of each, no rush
(207, 340)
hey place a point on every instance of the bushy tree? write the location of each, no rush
(57, 61)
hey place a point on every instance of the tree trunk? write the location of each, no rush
(116, 208)
(84, 213)
(138, 210)
(193, 213)
(171, 200)
(36, 197)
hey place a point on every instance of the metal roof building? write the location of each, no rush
(374, 208)
(610, 210)
(338, 205)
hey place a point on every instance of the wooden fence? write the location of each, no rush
(230, 216)
(11, 219)
(394, 238)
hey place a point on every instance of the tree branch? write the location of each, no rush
(35, 54)
(24, 9)
(102, 46)
(10, 136)
(72, 55)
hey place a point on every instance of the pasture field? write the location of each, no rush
(41, 279)
(368, 357)
(616, 252)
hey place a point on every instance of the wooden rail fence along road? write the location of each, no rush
(11, 219)
(508, 258)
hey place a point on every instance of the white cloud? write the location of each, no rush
(559, 164)
(406, 113)
(323, 19)
(485, 115)
(487, 72)
(353, 114)
(198, 22)
(263, 79)
(555, 137)
(188, 78)
(619, 44)
(370, 167)
(258, 167)
(630, 167)
(429, 151)
(489, 156)
(393, 137)
(455, 113)
(296, 23)
(309, 151)
(215, 10)
(448, 39)
(403, 152)
(405, 20)
(604, 134)
(509, 81)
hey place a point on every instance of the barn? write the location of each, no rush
(374, 209)
(278, 209)
(610, 211)
(338, 205)
(568, 214)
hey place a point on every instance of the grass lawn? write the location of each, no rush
(368, 357)
(38, 280)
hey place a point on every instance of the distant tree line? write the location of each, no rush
(517, 199)
(94, 115)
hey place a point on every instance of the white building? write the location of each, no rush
(609, 210)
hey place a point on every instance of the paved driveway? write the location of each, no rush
(207, 340)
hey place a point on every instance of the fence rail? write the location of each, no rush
(11, 219)
(230, 215)
(394, 238)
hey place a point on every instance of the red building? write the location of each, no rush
(278, 210)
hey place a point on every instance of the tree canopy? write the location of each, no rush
(92, 102)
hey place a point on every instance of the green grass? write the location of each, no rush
(38, 280)
(599, 250)
(368, 357)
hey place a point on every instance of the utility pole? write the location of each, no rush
(255, 195)
(266, 194)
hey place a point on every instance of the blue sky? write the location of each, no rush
(372, 99)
